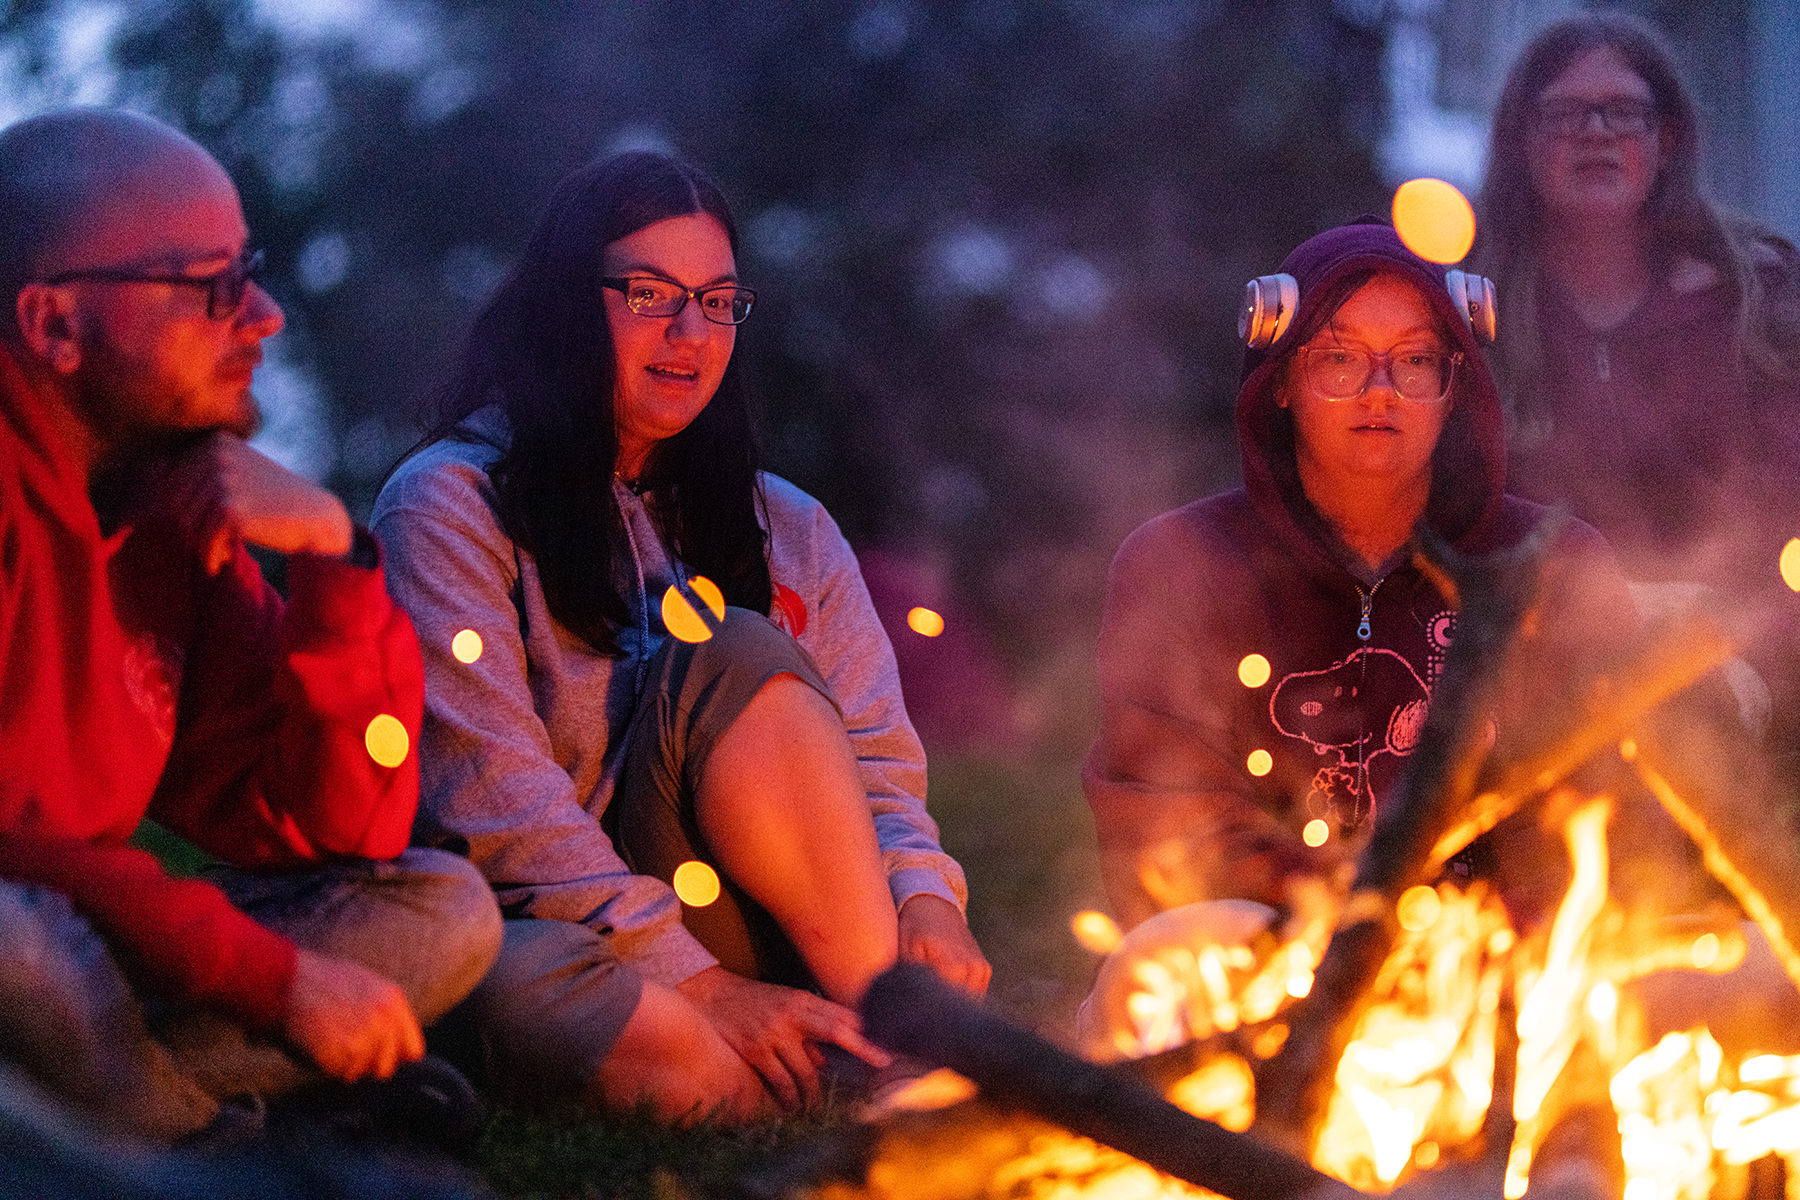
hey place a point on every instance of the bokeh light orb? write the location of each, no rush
(1316, 833)
(1254, 670)
(696, 883)
(1095, 931)
(924, 622)
(1260, 763)
(386, 740)
(682, 619)
(1419, 908)
(1434, 220)
(466, 646)
(1790, 564)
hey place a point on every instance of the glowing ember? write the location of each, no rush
(680, 617)
(1254, 671)
(1434, 220)
(696, 883)
(1316, 833)
(386, 740)
(466, 646)
(1223, 1091)
(1260, 763)
(924, 622)
(1095, 931)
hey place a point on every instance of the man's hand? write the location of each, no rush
(771, 1027)
(222, 492)
(933, 932)
(349, 1020)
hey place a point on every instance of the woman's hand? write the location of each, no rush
(772, 1028)
(933, 932)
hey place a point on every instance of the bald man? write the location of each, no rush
(146, 668)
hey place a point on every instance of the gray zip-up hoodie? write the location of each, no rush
(519, 753)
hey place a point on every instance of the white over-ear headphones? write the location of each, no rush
(1270, 302)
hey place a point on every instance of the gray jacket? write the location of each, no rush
(519, 753)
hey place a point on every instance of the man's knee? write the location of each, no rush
(459, 906)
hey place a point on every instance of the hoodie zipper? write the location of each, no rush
(1363, 630)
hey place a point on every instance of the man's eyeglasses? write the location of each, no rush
(726, 304)
(1421, 375)
(1621, 116)
(224, 289)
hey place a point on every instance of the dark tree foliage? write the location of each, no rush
(1000, 245)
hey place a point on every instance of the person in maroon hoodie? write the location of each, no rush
(1267, 654)
(147, 668)
(1650, 344)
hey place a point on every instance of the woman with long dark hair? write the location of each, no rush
(595, 475)
(1650, 345)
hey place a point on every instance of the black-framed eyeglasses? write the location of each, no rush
(224, 289)
(1420, 374)
(1622, 116)
(647, 296)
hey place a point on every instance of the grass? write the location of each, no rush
(1021, 831)
(1022, 834)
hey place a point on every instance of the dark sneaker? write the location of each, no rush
(427, 1103)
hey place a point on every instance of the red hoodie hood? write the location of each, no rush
(1468, 476)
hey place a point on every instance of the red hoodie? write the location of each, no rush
(131, 682)
(1202, 780)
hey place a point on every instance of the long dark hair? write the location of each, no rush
(542, 351)
(1681, 220)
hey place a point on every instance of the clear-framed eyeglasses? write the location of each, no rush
(1622, 116)
(647, 296)
(224, 289)
(1421, 374)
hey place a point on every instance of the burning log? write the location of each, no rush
(1671, 660)
(910, 1010)
(1496, 595)
(1722, 800)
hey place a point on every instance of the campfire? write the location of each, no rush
(1401, 1033)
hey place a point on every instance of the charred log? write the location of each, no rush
(910, 1010)
(1431, 796)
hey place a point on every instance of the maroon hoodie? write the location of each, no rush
(1202, 779)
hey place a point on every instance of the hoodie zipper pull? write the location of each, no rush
(1362, 627)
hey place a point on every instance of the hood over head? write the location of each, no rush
(1468, 472)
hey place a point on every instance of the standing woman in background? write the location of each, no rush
(596, 456)
(1648, 344)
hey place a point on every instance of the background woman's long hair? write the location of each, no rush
(542, 351)
(1681, 221)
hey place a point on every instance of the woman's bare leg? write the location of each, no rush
(784, 812)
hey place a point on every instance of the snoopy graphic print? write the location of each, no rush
(1361, 717)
